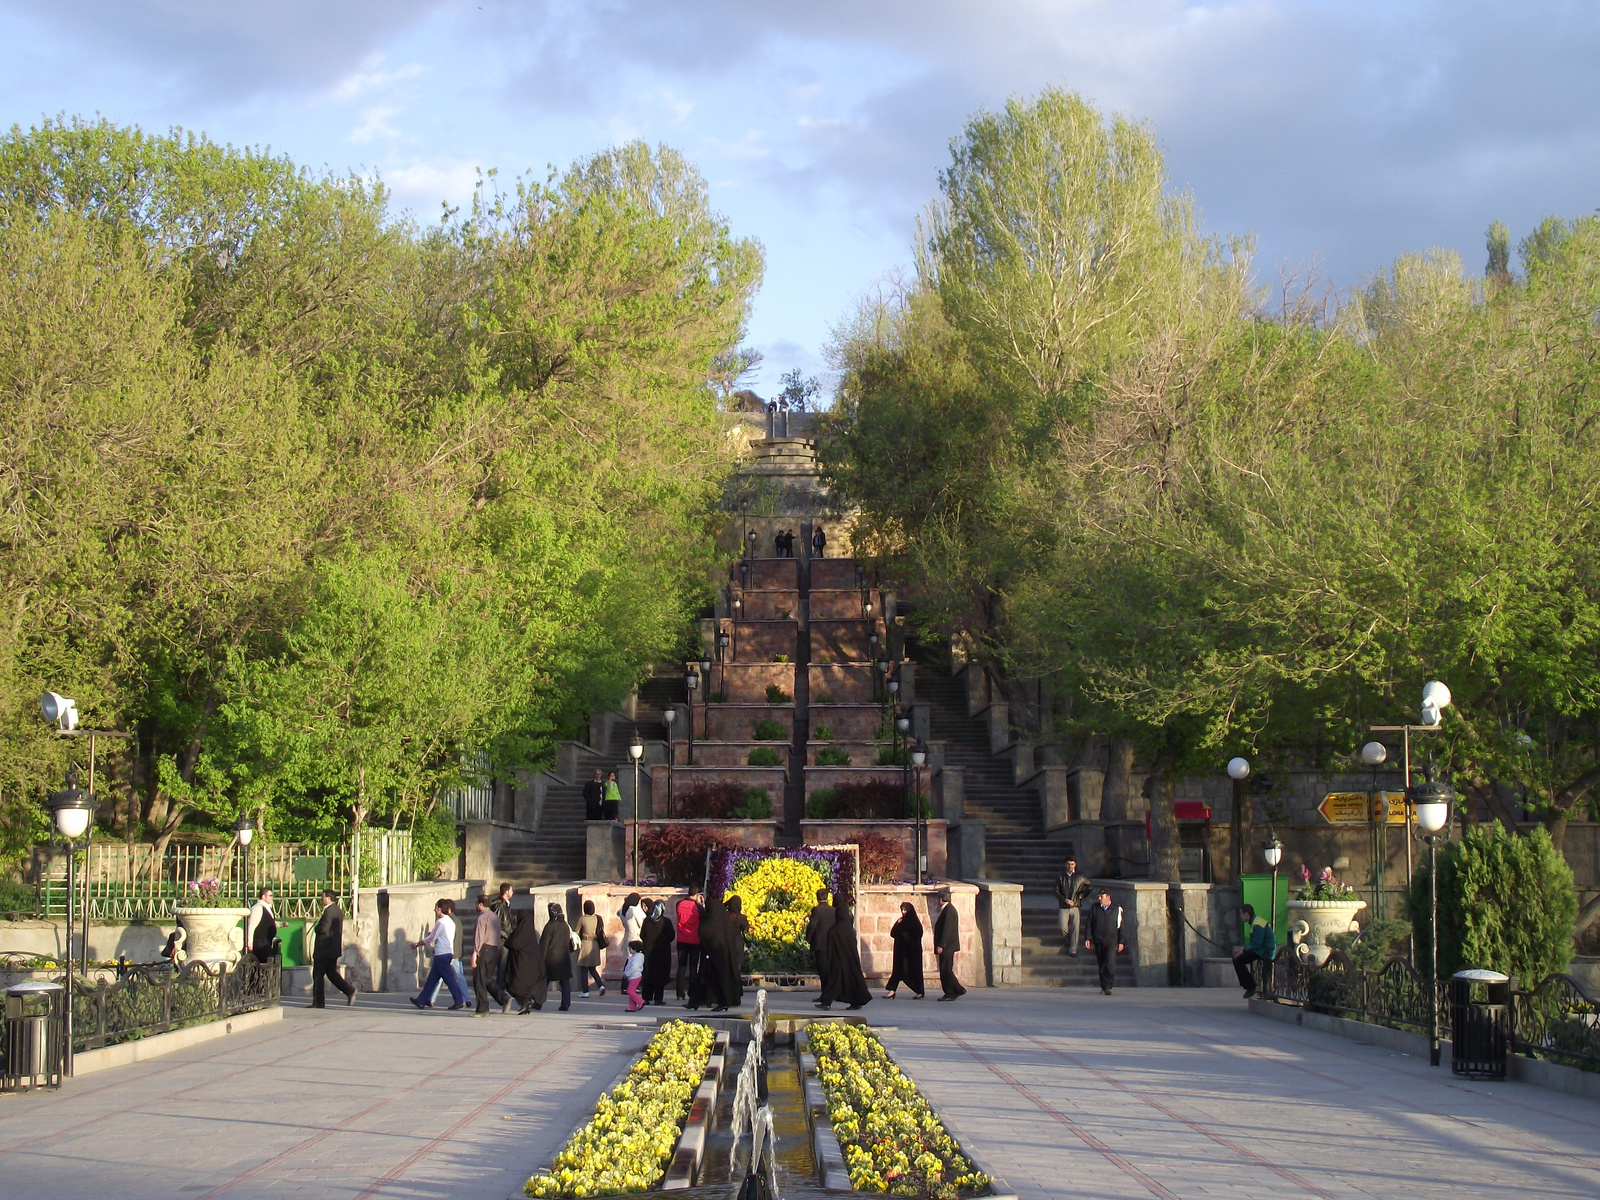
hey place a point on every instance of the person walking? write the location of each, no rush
(906, 933)
(1262, 947)
(594, 799)
(817, 926)
(819, 542)
(442, 941)
(525, 977)
(591, 948)
(260, 927)
(632, 915)
(486, 953)
(502, 909)
(633, 973)
(688, 915)
(946, 945)
(846, 980)
(557, 942)
(656, 937)
(612, 805)
(1070, 886)
(325, 951)
(723, 947)
(1105, 938)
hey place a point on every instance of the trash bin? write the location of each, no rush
(35, 1023)
(1480, 1029)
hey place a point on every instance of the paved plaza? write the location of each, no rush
(1067, 1093)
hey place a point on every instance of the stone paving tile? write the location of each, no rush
(1144, 1094)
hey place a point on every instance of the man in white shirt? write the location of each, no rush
(261, 927)
(442, 939)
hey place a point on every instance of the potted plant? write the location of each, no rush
(210, 923)
(1323, 906)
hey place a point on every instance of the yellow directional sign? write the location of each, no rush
(1344, 808)
(1351, 808)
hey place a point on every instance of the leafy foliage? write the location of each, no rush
(822, 732)
(677, 852)
(776, 695)
(1374, 944)
(832, 756)
(1506, 902)
(764, 756)
(875, 800)
(882, 858)
(767, 730)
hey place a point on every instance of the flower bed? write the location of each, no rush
(628, 1143)
(891, 1138)
(778, 888)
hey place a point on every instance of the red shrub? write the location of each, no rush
(881, 857)
(708, 801)
(677, 853)
(878, 800)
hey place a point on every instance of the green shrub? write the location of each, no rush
(783, 658)
(708, 802)
(1506, 902)
(892, 756)
(825, 698)
(776, 695)
(1374, 945)
(756, 806)
(717, 698)
(764, 756)
(433, 842)
(771, 731)
(832, 756)
(17, 900)
(820, 732)
(819, 805)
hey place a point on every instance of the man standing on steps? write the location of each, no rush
(325, 952)
(946, 945)
(1105, 939)
(594, 799)
(1070, 886)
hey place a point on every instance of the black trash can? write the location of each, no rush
(36, 1022)
(1480, 1023)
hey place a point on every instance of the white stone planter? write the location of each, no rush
(211, 935)
(1311, 921)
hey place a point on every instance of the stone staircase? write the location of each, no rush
(1015, 846)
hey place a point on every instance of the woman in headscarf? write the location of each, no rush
(656, 936)
(742, 924)
(723, 947)
(592, 947)
(846, 980)
(907, 936)
(632, 918)
(525, 977)
(556, 940)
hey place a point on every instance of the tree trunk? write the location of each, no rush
(175, 813)
(1116, 790)
(1164, 844)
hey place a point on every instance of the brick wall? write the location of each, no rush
(746, 682)
(759, 641)
(736, 722)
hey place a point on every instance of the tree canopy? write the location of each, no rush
(1218, 529)
(329, 507)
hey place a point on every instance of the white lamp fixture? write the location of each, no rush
(73, 808)
(1238, 768)
(894, 685)
(1374, 754)
(59, 711)
(1435, 699)
(1272, 849)
(245, 828)
(902, 724)
(636, 747)
(919, 755)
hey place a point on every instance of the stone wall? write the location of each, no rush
(716, 754)
(818, 778)
(1149, 926)
(844, 604)
(737, 722)
(847, 683)
(842, 641)
(861, 753)
(685, 777)
(767, 606)
(762, 641)
(849, 722)
(746, 683)
(833, 573)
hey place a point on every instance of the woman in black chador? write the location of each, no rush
(723, 947)
(525, 977)
(907, 935)
(845, 978)
(556, 941)
(741, 926)
(656, 934)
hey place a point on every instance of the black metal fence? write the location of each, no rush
(1557, 1020)
(146, 1000)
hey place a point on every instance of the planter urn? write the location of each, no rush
(1312, 921)
(211, 935)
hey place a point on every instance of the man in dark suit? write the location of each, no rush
(1071, 884)
(817, 926)
(1105, 938)
(946, 945)
(594, 799)
(325, 952)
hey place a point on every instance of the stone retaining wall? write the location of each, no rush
(833, 833)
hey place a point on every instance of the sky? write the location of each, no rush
(1339, 133)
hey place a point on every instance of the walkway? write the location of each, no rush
(1069, 1094)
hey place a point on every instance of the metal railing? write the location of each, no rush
(1556, 1020)
(470, 803)
(147, 1000)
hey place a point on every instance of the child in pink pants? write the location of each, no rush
(633, 971)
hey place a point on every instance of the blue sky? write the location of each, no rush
(1340, 134)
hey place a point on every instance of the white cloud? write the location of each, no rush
(371, 78)
(375, 123)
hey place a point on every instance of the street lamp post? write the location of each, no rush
(722, 658)
(245, 830)
(919, 755)
(636, 752)
(1238, 771)
(1435, 699)
(691, 680)
(901, 725)
(705, 674)
(1430, 803)
(1374, 755)
(669, 715)
(73, 810)
(1272, 851)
